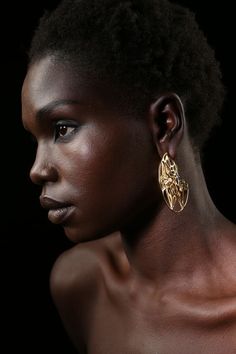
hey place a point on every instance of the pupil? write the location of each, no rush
(63, 130)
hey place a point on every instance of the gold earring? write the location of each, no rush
(174, 189)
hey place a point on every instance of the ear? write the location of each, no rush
(167, 122)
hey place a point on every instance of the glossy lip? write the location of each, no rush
(58, 212)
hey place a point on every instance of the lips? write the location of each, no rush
(58, 212)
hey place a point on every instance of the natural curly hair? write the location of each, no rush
(142, 47)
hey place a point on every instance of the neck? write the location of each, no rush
(169, 244)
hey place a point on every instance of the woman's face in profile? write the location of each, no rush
(97, 168)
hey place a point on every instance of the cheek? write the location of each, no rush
(108, 172)
(91, 159)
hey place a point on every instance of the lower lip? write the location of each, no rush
(61, 215)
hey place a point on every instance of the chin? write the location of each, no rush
(76, 235)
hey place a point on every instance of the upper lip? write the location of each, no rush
(50, 203)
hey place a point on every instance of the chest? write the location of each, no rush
(120, 326)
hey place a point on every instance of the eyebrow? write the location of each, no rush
(52, 105)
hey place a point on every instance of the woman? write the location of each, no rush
(121, 97)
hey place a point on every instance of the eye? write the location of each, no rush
(64, 130)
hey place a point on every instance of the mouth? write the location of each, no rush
(58, 212)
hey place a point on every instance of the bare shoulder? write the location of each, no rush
(79, 273)
(76, 281)
(81, 266)
(74, 278)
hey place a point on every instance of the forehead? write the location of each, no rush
(52, 79)
(49, 80)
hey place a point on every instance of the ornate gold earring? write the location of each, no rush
(174, 189)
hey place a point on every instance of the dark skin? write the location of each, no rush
(141, 278)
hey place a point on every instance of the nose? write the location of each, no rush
(43, 169)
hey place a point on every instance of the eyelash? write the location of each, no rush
(69, 128)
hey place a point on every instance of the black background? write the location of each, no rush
(29, 244)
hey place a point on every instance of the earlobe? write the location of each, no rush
(167, 122)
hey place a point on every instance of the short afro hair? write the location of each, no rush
(145, 47)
